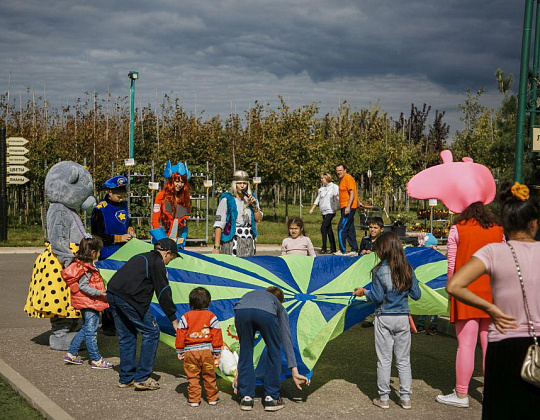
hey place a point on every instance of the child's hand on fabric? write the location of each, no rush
(104, 295)
(180, 356)
(216, 361)
(235, 384)
(359, 291)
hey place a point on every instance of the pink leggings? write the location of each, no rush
(467, 336)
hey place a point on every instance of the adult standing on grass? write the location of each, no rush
(348, 202)
(475, 227)
(328, 202)
(237, 213)
(129, 293)
(515, 311)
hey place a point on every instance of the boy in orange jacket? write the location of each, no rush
(198, 343)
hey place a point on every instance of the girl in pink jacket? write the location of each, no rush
(88, 295)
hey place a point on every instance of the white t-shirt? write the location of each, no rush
(506, 288)
(328, 199)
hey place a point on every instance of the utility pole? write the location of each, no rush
(522, 95)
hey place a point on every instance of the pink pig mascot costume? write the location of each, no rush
(465, 188)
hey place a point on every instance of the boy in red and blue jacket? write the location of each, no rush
(198, 343)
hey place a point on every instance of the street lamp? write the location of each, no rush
(133, 75)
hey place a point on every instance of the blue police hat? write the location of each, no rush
(116, 182)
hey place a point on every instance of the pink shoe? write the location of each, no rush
(101, 364)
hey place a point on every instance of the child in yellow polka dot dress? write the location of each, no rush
(88, 295)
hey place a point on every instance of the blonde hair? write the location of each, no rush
(327, 176)
(240, 176)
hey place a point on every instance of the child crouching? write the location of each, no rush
(198, 343)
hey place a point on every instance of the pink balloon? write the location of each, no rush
(456, 184)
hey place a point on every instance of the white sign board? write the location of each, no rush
(17, 150)
(16, 141)
(129, 162)
(432, 202)
(207, 183)
(536, 139)
(153, 185)
(256, 179)
(16, 160)
(17, 180)
(17, 169)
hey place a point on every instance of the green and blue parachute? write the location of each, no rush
(318, 292)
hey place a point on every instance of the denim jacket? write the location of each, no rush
(389, 301)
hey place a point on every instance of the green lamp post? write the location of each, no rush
(133, 75)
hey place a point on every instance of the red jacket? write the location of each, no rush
(79, 300)
(199, 329)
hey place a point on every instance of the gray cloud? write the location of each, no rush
(242, 51)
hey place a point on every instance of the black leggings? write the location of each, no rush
(326, 229)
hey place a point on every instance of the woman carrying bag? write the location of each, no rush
(515, 285)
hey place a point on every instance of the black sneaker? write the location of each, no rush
(431, 330)
(246, 404)
(272, 405)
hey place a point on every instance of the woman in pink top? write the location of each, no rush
(297, 243)
(506, 394)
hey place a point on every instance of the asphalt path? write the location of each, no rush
(343, 384)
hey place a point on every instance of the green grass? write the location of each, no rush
(13, 407)
(272, 230)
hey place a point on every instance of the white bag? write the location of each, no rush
(228, 362)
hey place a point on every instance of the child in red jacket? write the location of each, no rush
(88, 295)
(198, 343)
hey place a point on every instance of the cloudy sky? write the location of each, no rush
(225, 55)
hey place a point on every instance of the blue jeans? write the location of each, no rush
(128, 323)
(247, 322)
(422, 321)
(87, 333)
(347, 231)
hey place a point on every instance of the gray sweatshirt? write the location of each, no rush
(84, 285)
(266, 301)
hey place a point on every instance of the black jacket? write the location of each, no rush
(138, 280)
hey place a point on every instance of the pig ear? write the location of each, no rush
(467, 159)
(446, 156)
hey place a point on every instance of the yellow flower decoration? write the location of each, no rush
(520, 191)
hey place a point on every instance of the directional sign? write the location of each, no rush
(17, 150)
(16, 160)
(16, 141)
(17, 180)
(17, 169)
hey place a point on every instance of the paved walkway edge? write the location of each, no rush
(32, 395)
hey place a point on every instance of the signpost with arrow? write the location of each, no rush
(12, 169)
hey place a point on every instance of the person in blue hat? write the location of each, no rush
(110, 221)
(172, 205)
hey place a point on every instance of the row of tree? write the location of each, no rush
(289, 147)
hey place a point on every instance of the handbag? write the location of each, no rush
(530, 370)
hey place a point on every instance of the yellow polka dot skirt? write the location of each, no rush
(48, 294)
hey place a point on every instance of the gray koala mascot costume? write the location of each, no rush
(69, 188)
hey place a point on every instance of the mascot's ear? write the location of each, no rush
(167, 173)
(446, 156)
(73, 175)
(467, 159)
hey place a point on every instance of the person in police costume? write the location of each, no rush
(111, 222)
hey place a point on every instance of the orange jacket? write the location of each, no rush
(79, 300)
(199, 329)
(163, 207)
(472, 237)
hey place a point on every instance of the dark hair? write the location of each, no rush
(341, 164)
(87, 247)
(298, 222)
(377, 221)
(199, 298)
(389, 249)
(516, 215)
(477, 211)
(277, 292)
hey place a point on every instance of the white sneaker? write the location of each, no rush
(351, 254)
(453, 399)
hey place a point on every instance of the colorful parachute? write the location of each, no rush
(317, 292)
